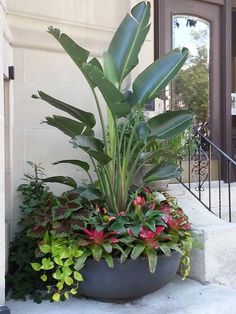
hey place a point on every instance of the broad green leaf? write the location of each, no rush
(175, 247)
(81, 261)
(153, 80)
(56, 297)
(137, 251)
(47, 264)
(152, 225)
(45, 248)
(110, 68)
(69, 262)
(91, 194)
(115, 100)
(77, 53)
(68, 126)
(97, 252)
(66, 270)
(94, 147)
(162, 171)
(85, 117)
(135, 230)
(77, 253)
(168, 124)
(82, 164)
(61, 179)
(109, 260)
(68, 280)
(107, 247)
(78, 276)
(128, 39)
(118, 226)
(36, 266)
(152, 259)
(165, 249)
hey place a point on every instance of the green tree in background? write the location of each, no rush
(191, 87)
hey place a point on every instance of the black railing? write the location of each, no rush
(209, 174)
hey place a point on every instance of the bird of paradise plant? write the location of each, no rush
(116, 161)
(118, 218)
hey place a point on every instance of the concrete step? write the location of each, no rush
(178, 297)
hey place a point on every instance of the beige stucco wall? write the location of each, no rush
(40, 64)
(5, 61)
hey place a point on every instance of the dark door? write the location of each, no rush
(169, 14)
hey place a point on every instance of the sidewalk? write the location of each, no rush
(178, 297)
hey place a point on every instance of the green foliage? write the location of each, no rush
(32, 191)
(192, 85)
(108, 218)
(21, 278)
(117, 158)
(57, 263)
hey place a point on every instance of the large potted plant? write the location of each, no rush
(92, 228)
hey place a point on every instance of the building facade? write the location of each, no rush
(31, 60)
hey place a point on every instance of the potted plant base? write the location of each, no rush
(126, 281)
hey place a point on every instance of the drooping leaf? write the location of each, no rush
(97, 252)
(115, 100)
(94, 147)
(162, 171)
(168, 124)
(91, 194)
(78, 276)
(157, 76)
(61, 179)
(165, 249)
(107, 247)
(86, 117)
(77, 53)
(82, 164)
(79, 264)
(68, 126)
(152, 259)
(128, 39)
(109, 260)
(137, 251)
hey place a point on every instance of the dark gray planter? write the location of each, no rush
(126, 281)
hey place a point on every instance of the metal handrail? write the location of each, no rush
(200, 177)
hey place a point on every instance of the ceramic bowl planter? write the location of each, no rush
(126, 281)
